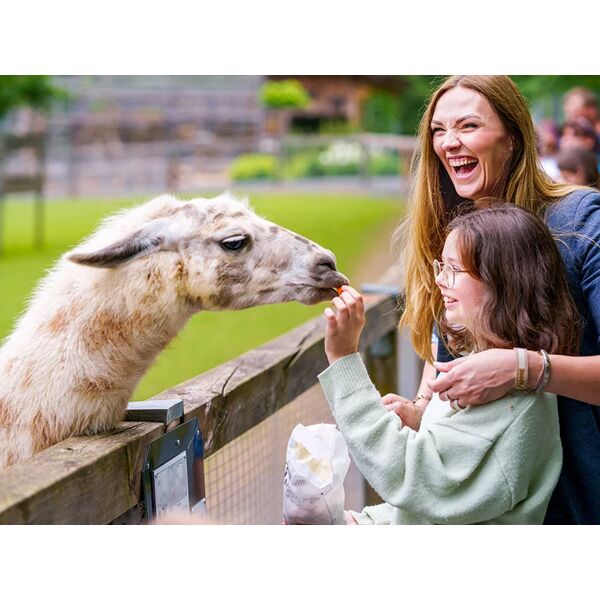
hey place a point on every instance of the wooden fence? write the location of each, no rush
(97, 479)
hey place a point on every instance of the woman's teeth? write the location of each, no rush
(463, 166)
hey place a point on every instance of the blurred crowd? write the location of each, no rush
(571, 152)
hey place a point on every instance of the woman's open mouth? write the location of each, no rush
(463, 167)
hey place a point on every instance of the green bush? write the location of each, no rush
(384, 163)
(288, 93)
(253, 166)
(338, 159)
(304, 164)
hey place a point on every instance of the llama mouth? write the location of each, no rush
(312, 294)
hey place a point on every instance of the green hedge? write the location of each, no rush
(253, 166)
(334, 161)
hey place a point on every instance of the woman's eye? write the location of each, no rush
(234, 243)
(435, 130)
(469, 126)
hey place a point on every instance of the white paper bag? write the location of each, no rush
(317, 461)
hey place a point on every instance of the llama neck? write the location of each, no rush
(127, 341)
(101, 330)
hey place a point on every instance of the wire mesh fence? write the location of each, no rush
(244, 480)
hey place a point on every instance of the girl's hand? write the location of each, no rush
(476, 379)
(345, 325)
(410, 412)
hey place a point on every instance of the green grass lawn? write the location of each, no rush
(346, 225)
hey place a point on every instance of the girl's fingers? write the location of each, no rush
(331, 319)
(350, 302)
(390, 398)
(342, 308)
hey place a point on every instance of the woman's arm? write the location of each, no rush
(486, 376)
(411, 412)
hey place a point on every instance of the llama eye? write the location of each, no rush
(234, 243)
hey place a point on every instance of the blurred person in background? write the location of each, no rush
(578, 166)
(548, 135)
(579, 133)
(582, 103)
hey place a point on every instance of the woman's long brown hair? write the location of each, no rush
(422, 234)
(527, 303)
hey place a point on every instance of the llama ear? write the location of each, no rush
(137, 245)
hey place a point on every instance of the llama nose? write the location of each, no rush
(325, 262)
(325, 270)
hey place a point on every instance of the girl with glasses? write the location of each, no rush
(503, 285)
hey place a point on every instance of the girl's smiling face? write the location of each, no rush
(471, 142)
(464, 299)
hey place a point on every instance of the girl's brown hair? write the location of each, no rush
(527, 303)
(422, 234)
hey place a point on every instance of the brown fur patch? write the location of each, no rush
(11, 458)
(154, 281)
(63, 316)
(179, 270)
(95, 387)
(44, 433)
(6, 418)
(58, 322)
(27, 378)
(106, 328)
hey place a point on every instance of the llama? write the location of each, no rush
(101, 316)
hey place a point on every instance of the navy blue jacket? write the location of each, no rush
(576, 498)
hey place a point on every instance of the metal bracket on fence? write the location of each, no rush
(156, 411)
(173, 472)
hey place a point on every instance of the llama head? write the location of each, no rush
(223, 255)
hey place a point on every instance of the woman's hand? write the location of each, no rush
(345, 325)
(476, 379)
(410, 412)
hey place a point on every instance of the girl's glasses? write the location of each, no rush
(448, 272)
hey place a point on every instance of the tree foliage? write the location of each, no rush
(540, 87)
(289, 93)
(36, 91)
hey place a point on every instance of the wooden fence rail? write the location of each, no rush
(96, 479)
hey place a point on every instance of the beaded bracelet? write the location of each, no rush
(422, 397)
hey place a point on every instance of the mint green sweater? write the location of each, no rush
(496, 463)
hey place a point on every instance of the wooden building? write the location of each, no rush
(334, 99)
